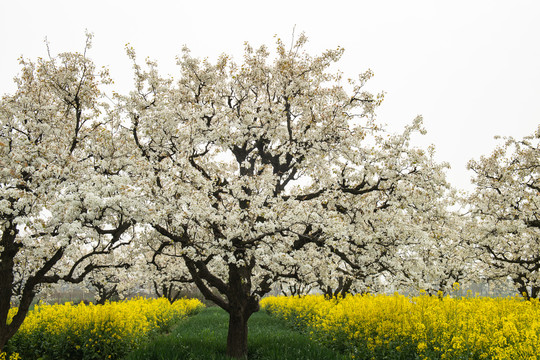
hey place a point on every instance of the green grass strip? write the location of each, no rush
(204, 337)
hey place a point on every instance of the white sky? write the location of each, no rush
(470, 67)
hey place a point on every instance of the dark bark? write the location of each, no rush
(6, 282)
(242, 304)
(343, 288)
(295, 289)
(523, 292)
(105, 293)
(237, 336)
(527, 291)
(534, 292)
(172, 292)
(234, 296)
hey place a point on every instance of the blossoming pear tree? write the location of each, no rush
(109, 283)
(163, 267)
(244, 167)
(442, 258)
(382, 231)
(506, 205)
(61, 185)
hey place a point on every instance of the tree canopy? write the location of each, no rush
(62, 181)
(507, 213)
(259, 171)
(239, 178)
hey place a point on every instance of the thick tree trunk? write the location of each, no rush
(7, 256)
(237, 337)
(241, 305)
(236, 297)
(7, 331)
(3, 340)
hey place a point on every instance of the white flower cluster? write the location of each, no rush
(240, 177)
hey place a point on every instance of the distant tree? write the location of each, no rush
(106, 291)
(165, 268)
(109, 284)
(294, 288)
(247, 168)
(62, 191)
(445, 255)
(506, 205)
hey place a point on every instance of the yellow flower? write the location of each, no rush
(454, 328)
(120, 324)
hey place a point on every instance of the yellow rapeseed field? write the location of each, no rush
(107, 331)
(425, 327)
(3, 356)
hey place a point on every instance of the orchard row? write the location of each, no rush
(239, 178)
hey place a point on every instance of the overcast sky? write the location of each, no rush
(471, 68)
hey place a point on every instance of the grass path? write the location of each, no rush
(203, 337)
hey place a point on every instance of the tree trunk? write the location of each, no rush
(534, 292)
(522, 287)
(7, 264)
(3, 340)
(7, 331)
(240, 302)
(241, 305)
(237, 337)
